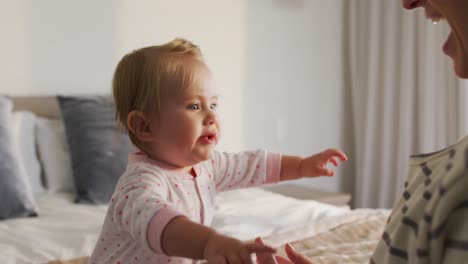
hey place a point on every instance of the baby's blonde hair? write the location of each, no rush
(145, 77)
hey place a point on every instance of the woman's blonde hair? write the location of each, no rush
(145, 77)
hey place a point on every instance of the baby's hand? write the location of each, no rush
(220, 249)
(315, 165)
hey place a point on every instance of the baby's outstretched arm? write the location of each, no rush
(293, 167)
(184, 238)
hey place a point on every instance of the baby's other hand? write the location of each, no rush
(221, 249)
(293, 255)
(315, 165)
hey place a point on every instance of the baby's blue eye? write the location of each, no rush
(193, 107)
(214, 106)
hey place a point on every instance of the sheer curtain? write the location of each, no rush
(404, 96)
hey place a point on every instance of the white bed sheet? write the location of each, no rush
(66, 230)
(63, 230)
(247, 214)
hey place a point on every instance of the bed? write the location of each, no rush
(65, 231)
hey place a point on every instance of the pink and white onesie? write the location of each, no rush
(150, 193)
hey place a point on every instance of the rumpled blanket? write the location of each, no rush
(348, 238)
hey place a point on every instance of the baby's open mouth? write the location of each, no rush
(208, 138)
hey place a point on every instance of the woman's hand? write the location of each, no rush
(294, 257)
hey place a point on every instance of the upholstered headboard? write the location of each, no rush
(46, 106)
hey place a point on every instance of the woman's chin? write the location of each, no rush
(459, 57)
(462, 74)
(461, 68)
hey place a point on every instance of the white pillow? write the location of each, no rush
(54, 155)
(24, 124)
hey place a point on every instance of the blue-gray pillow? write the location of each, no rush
(16, 194)
(99, 150)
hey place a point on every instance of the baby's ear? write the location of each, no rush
(140, 126)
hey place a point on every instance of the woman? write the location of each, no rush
(429, 223)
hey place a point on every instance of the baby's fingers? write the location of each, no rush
(245, 257)
(333, 160)
(264, 258)
(330, 153)
(282, 260)
(325, 172)
(259, 248)
(237, 259)
(295, 257)
(216, 260)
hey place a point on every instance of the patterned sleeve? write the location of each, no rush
(429, 223)
(140, 198)
(245, 169)
(450, 234)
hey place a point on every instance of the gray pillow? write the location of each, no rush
(99, 150)
(16, 194)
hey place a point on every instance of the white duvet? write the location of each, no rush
(66, 230)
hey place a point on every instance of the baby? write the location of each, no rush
(163, 204)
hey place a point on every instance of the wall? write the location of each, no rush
(294, 78)
(72, 47)
(277, 62)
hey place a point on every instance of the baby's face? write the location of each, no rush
(188, 129)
